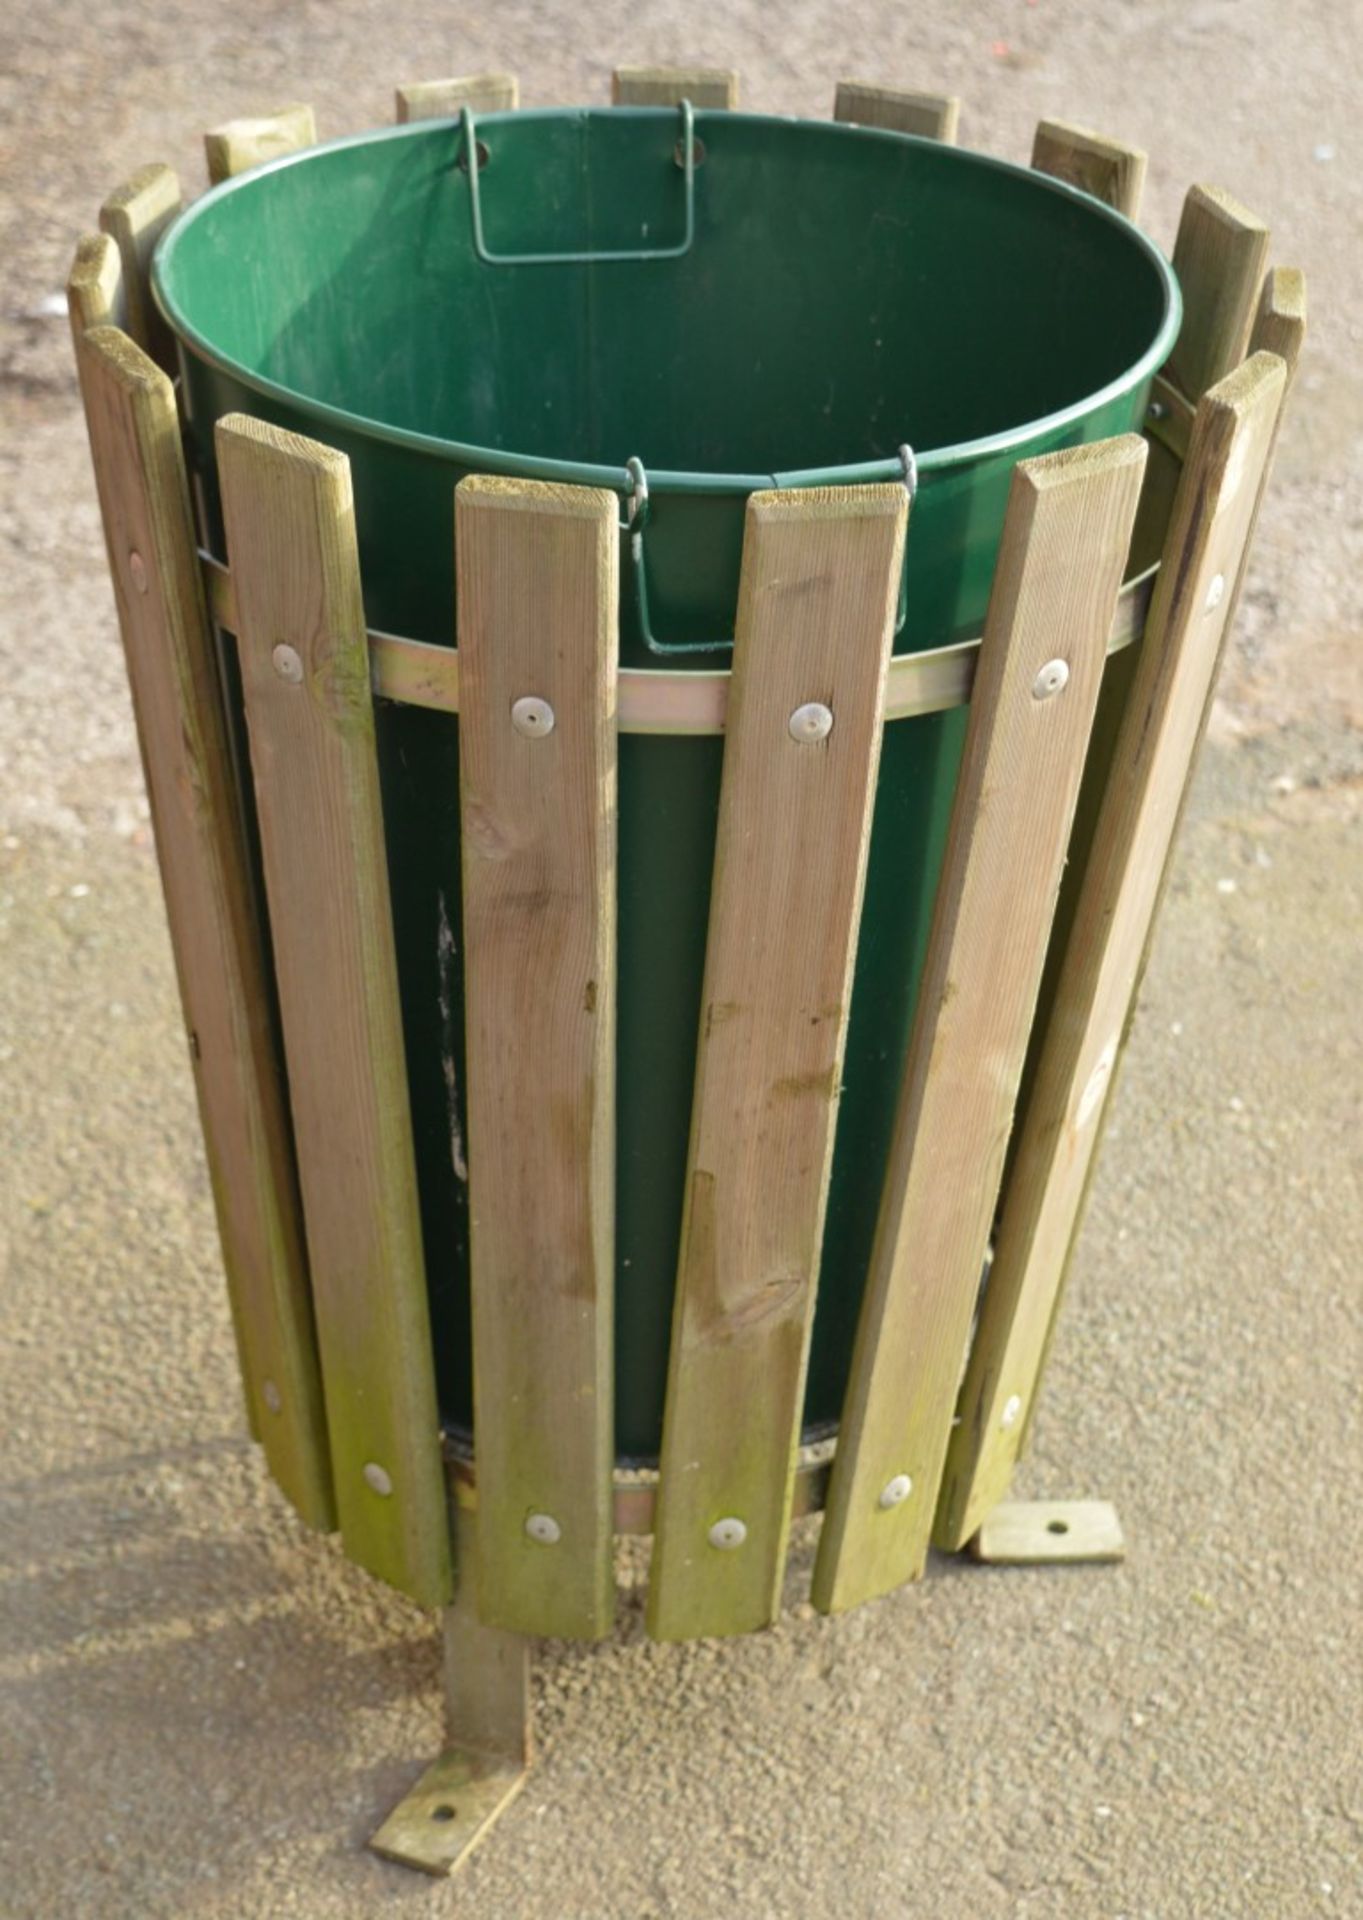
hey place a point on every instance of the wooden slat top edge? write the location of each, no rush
(96, 263)
(885, 499)
(322, 460)
(1044, 471)
(1224, 207)
(1255, 382)
(1070, 130)
(875, 90)
(156, 174)
(719, 75)
(130, 365)
(538, 496)
(493, 77)
(247, 123)
(1285, 292)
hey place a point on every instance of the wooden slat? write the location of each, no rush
(140, 474)
(1108, 169)
(134, 216)
(1219, 256)
(931, 116)
(446, 99)
(1280, 322)
(1279, 327)
(537, 571)
(666, 86)
(238, 145)
(1213, 515)
(290, 525)
(816, 611)
(94, 286)
(1060, 563)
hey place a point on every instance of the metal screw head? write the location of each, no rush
(813, 721)
(727, 1534)
(544, 1528)
(1053, 678)
(1216, 592)
(1012, 1408)
(895, 1492)
(288, 663)
(137, 567)
(270, 1394)
(532, 716)
(1156, 410)
(377, 1480)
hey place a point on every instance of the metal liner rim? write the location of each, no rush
(680, 480)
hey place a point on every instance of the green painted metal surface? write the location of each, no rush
(846, 291)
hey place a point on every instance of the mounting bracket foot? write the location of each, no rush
(487, 1718)
(1024, 1533)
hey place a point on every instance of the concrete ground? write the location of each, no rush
(204, 1709)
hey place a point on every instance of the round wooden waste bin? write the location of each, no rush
(631, 615)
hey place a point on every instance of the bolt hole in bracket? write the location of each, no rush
(449, 1810)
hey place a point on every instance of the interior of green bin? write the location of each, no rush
(846, 292)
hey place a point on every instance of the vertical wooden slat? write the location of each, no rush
(708, 87)
(1213, 516)
(1060, 563)
(816, 611)
(1279, 327)
(134, 216)
(537, 571)
(94, 287)
(139, 470)
(931, 116)
(1108, 169)
(238, 145)
(1280, 321)
(446, 99)
(1219, 256)
(290, 524)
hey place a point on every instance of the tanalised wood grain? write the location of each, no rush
(931, 116)
(537, 596)
(1220, 256)
(238, 145)
(134, 216)
(815, 617)
(1108, 169)
(1213, 515)
(290, 522)
(707, 87)
(1065, 541)
(446, 99)
(1280, 326)
(144, 499)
